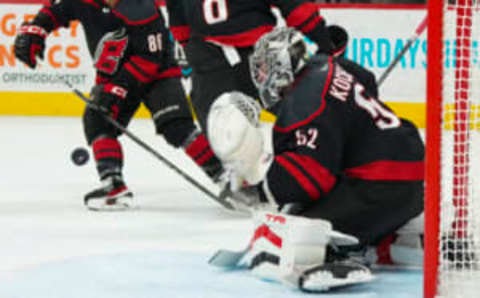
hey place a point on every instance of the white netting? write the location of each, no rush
(459, 274)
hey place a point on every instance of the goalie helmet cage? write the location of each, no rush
(452, 194)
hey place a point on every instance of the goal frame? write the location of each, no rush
(435, 127)
(433, 145)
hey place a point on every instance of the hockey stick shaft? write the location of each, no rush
(148, 148)
(418, 31)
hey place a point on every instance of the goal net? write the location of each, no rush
(452, 201)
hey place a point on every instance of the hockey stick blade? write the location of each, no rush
(227, 259)
(138, 141)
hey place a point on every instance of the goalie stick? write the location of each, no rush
(219, 199)
(418, 31)
(227, 259)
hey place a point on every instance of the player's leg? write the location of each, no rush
(173, 120)
(369, 210)
(108, 154)
(209, 85)
(386, 216)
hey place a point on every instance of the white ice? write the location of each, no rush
(51, 246)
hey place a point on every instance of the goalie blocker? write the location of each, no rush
(339, 154)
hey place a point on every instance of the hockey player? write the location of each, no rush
(133, 58)
(341, 158)
(218, 36)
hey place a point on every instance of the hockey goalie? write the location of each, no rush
(345, 173)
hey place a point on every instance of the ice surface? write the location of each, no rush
(51, 246)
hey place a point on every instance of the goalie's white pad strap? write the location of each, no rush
(230, 52)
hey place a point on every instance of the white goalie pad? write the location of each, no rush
(292, 250)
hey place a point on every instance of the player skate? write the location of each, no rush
(302, 253)
(113, 195)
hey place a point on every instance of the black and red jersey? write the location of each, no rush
(328, 126)
(148, 54)
(240, 23)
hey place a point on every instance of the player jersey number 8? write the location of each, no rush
(215, 11)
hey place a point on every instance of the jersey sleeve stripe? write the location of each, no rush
(301, 14)
(311, 24)
(301, 179)
(315, 170)
(243, 39)
(389, 170)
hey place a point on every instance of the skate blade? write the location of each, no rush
(325, 281)
(123, 203)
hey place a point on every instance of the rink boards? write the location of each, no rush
(377, 34)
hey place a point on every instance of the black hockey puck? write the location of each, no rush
(80, 156)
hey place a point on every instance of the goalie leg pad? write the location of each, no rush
(284, 245)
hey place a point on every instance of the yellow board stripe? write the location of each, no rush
(67, 104)
(46, 104)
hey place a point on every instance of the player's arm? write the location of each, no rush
(30, 40)
(178, 22)
(305, 17)
(305, 173)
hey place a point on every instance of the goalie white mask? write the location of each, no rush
(277, 57)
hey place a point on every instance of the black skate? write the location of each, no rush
(112, 196)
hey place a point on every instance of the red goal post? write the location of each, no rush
(452, 192)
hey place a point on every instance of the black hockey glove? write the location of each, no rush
(107, 97)
(339, 37)
(30, 44)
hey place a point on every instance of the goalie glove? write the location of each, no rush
(235, 137)
(339, 37)
(30, 44)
